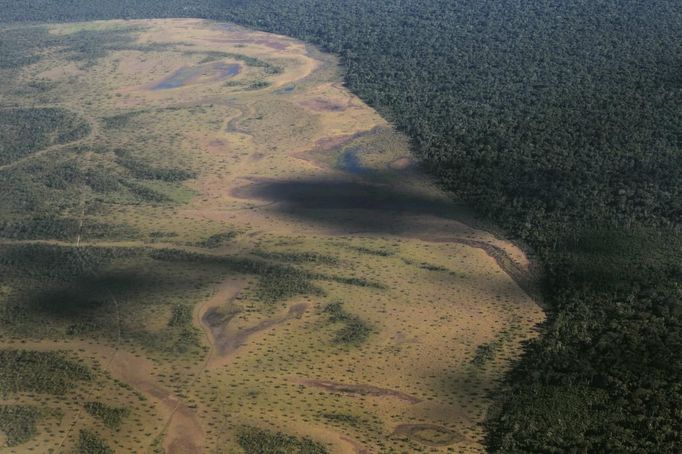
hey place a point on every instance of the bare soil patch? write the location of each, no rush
(428, 434)
(215, 317)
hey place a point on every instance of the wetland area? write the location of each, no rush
(216, 247)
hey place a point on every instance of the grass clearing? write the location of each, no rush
(244, 200)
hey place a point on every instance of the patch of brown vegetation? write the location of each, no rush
(363, 390)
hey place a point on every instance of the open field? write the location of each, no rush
(236, 253)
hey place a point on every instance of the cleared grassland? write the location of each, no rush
(237, 254)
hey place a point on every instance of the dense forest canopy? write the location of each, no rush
(560, 120)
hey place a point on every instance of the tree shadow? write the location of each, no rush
(351, 204)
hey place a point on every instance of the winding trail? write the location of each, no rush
(212, 326)
(94, 132)
(183, 433)
(112, 356)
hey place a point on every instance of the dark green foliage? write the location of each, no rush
(350, 420)
(277, 281)
(431, 267)
(615, 333)
(112, 417)
(354, 330)
(485, 353)
(366, 250)
(46, 187)
(91, 443)
(26, 130)
(65, 175)
(298, 257)
(90, 45)
(358, 282)
(43, 197)
(100, 292)
(60, 181)
(64, 285)
(258, 441)
(181, 316)
(257, 85)
(268, 68)
(55, 262)
(564, 418)
(145, 194)
(336, 312)
(62, 229)
(18, 423)
(18, 47)
(145, 171)
(24, 46)
(218, 239)
(44, 372)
